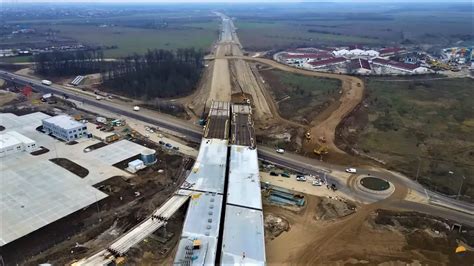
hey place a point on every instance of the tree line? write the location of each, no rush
(157, 73)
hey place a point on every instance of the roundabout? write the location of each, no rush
(371, 189)
(374, 183)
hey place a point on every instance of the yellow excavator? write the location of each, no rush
(321, 150)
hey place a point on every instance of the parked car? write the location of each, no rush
(161, 142)
(317, 182)
(351, 170)
(168, 146)
(176, 148)
(273, 173)
(280, 151)
(285, 174)
(301, 178)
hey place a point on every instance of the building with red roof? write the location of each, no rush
(327, 62)
(403, 67)
(360, 66)
(389, 51)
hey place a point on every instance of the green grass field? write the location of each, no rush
(432, 120)
(299, 97)
(327, 24)
(16, 59)
(138, 40)
(267, 35)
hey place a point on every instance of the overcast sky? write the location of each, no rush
(214, 1)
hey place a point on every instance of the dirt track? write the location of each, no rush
(317, 242)
(248, 82)
(220, 88)
(352, 95)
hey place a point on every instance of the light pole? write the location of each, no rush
(418, 170)
(460, 187)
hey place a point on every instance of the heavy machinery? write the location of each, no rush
(321, 150)
(307, 135)
(439, 65)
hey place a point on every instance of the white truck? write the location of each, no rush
(46, 82)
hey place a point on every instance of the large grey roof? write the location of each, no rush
(117, 151)
(244, 180)
(34, 193)
(208, 172)
(243, 240)
(202, 223)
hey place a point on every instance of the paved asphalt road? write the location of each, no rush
(297, 162)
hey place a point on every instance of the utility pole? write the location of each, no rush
(460, 187)
(418, 170)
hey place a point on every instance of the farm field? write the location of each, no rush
(301, 98)
(119, 32)
(283, 26)
(267, 35)
(425, 123)
(131, 40)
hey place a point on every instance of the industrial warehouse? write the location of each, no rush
(41, 191)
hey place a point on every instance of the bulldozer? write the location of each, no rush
(321, 150)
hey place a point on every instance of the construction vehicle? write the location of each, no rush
(202, 120)
(307, 135)
(111, 138)
(120, 261)
(321, 150)
(439, 65)
(77, 117)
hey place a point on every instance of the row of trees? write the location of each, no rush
(158, 73)
(69, 63)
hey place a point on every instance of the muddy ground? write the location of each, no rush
(396, 238)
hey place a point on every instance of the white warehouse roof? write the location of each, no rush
(12, 138)
(64, 121)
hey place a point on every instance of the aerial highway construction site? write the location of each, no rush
(90, 178)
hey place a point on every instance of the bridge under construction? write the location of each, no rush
(224, 218)
(224, 221)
